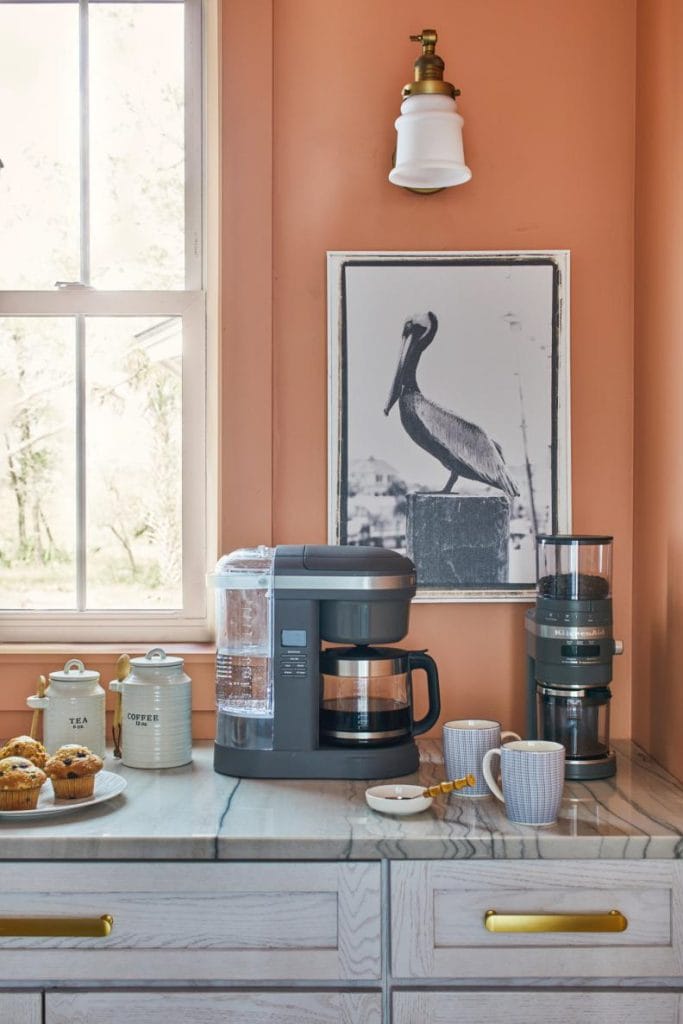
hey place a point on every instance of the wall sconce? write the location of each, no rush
(429, 152)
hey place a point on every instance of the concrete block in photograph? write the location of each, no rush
(458, 540)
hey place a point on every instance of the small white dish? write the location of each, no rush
(397, 799)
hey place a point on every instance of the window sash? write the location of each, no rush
(189, 305)
(191, 622)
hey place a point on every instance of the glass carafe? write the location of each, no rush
(367, 695)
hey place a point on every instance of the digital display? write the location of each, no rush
(293, 638)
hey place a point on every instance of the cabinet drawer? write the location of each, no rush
(21, 1008)
(439, 909)
(197, 921)
(213, 1007)
(535, 1007)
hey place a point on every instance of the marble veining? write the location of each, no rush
(191, 813)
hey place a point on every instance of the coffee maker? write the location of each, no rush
(290, 708)
(569, 651)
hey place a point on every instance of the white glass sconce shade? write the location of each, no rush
(429, 150)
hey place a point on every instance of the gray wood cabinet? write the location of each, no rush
(536, 1007)
(439, 923)
(21, 1008)
(404, 942)
(213, 1007)
(197, 922)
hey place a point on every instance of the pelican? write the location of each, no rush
(462, 447)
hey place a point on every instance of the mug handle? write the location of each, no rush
(508, 735)
(488, 774)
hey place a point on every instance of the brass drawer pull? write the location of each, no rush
(613, 921)
(64, 927)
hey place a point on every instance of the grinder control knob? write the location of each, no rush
(618, 646)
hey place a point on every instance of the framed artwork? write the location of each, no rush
(449, 413)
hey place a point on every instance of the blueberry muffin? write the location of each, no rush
(25, 746)
(72, 770)
(20, 782)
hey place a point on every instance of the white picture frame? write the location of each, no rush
(483, 396)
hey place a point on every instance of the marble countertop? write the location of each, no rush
(191, 813)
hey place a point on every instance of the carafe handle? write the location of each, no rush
(420, 659)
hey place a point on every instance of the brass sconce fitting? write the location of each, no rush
(429, 69)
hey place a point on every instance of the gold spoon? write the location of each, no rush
(437, 789)
(42, 687)
(122, 670)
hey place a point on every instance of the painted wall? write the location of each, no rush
(658, 481)
(309, 94)
(547, 97)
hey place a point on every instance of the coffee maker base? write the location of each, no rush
(584, 771)
(323, 763)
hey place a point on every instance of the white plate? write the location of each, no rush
(383, 799)
(107, 786)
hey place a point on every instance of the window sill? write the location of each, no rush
(196, 652)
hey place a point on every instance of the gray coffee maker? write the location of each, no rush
(289, 708)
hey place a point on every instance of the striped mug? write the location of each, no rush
(465, 741)
(532, 773)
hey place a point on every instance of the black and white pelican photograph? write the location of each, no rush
(449, 413)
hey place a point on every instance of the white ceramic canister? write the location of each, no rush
(73, 708)
(156, 712)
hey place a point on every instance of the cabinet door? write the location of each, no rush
(214, 1007)
(441, 926)
(459, 1007)
(192, 922)
(21, 1008)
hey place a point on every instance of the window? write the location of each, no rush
(102, 321)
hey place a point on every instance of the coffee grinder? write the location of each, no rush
(570, 649)
(289, 708)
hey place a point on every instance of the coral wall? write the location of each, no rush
(658, 481)
(309, 92)
(548, 102)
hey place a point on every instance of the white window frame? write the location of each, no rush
(79, 300)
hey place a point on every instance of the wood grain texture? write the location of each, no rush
(199, 921)
(536, 1008)
(438, 910)
(21, 1008)
(213, 1008)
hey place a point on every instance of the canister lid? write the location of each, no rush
(74, 672)
(157, 658)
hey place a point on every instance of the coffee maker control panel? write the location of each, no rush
(293, 664)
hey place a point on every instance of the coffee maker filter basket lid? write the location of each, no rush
(355, 559)
(341, 560)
